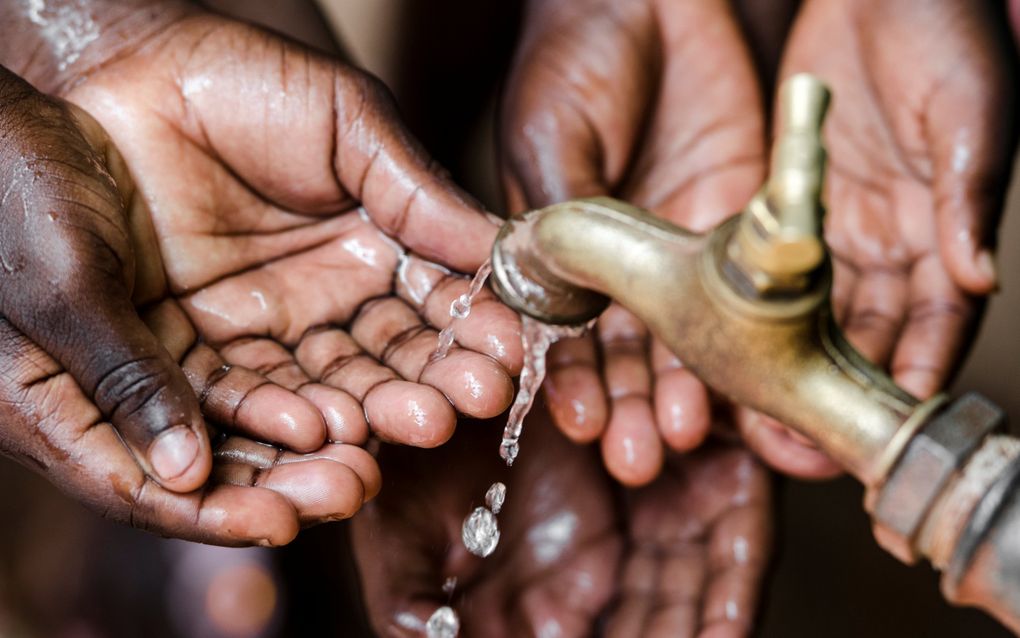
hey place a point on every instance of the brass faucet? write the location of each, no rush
(746, 307)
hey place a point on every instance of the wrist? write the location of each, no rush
(53, 43)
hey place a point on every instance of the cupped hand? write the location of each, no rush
(684, 556)
(554, 568)
(699, 541)
(307, 246)
(920, 141)
(256, 494)
(655, 102)
(116, 422)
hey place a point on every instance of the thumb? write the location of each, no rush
(68, 263)
(577, 99)
(972, 144)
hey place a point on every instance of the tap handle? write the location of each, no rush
(794, 190)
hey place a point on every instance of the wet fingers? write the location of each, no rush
(396, 410)
(683, 409)
(574, 391)
(631, 445)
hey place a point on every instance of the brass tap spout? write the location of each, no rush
(746, 308)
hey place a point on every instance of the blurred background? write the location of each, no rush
(66, 573)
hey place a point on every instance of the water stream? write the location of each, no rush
(459, 310)
(480, 531)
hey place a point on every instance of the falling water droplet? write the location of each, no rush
(443, 624)
(459, 310)
(495, 497)
(450, 585)
(480, 532)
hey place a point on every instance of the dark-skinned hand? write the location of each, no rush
(920, 139)
(657, 103)
(62, 197)
(622, 98)
(174, 291)
(686, 559)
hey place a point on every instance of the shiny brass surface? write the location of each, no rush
(784, 356)
(746, 307)
(779, 243)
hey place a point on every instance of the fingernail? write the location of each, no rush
(986, 265)
(174, 452)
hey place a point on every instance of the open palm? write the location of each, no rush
(300, 234)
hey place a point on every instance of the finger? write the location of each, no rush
(490, 328)
(342, 413)
(972, 143)
(701, 165)
(555, 601)
(844, 281)
(574, 391)
(776, 446)
(576, 99)
(940, 320)
(320, 486)
(233, 395)
(68, 280)
(876, 313)
(60, 423)
(631, 446)
(683, 410)
(662, 590)
(396, 410)
(336, 137)
(739, 548)
(393, 333)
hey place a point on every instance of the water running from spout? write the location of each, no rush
(536, 337)
(459, 310)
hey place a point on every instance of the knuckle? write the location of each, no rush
(132, 386)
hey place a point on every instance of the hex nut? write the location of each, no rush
(929, 461)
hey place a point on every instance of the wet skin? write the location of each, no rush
(657, 102)
(260, 252)
(681, 557)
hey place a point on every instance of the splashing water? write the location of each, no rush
(536, 337)
(459, 310)
(450, 585)
(443, 623)
(495, 497)
(480, 532)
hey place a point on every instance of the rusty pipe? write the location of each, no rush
(746, 306)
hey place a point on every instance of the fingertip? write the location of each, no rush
(475, 384)
(343, 415)
(180, 459)
(682, 409)
(283, 417)
(252, 515)
(921, 383)
(319, 489)
(631, 446)
(410, 414)
(770, 441)
(577, 403)
(973, 269)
